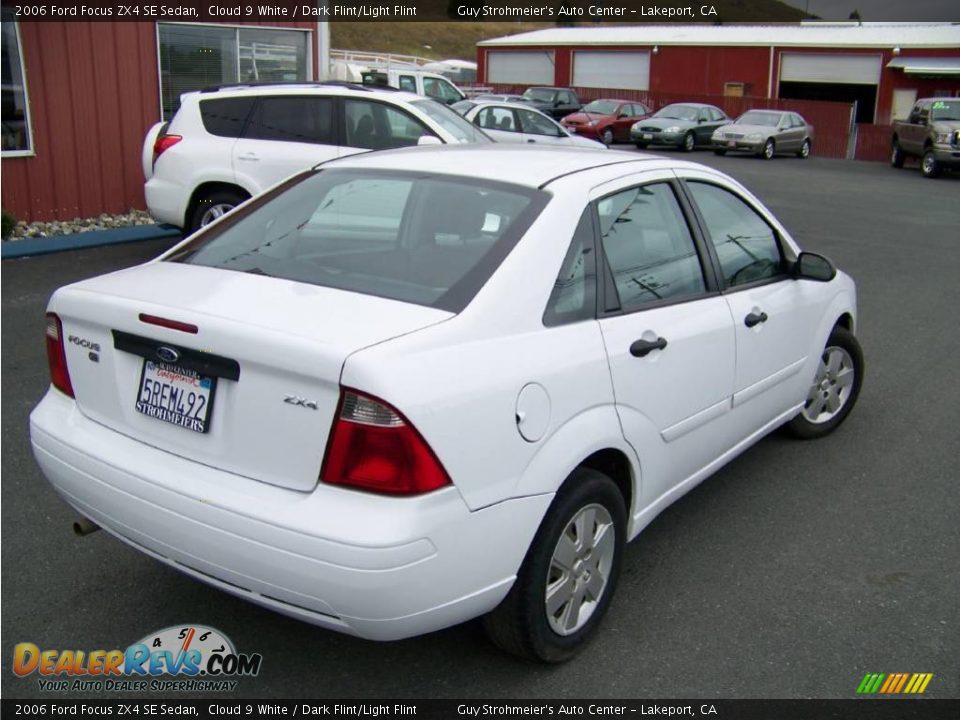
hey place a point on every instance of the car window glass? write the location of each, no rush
(574, 293)
(440, 90)
(495, 118)
(745, 244)
(428, 240)
(226, 116)
(408, 83)
(292, 119)
(375, 126)
(648, 246)
(537, 124)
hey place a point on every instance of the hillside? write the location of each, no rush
(441, 40)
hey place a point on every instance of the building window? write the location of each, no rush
(16, 139)
(193, 57)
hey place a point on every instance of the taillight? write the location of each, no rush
(56, 357)
(373, 447)
(164, 143)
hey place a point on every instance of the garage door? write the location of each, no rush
(526, 67)
(620, 70)
(816, 68)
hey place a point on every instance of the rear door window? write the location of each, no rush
(293, 119)
(225, 117)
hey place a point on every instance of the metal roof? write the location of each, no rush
(808, 34)
(927, 65)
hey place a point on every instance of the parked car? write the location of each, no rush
(555, 102)
(683, 125)
(225, 145)
(391, 395)
(765, 133)
(514, 123)
(608, 121)
(420, 82)
(931, 133)
(464, 105)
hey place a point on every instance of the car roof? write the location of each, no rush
(516, 164)
(306, 88)
(690, 104)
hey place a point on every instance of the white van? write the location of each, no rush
(420, 82)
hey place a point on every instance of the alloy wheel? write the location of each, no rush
(831, 386)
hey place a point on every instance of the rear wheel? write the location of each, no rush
(929, 165)
(689, 142)
(569, 575)
(214, 205)
(896, 155)
(835, 387)
(804, 151)
(769, 150)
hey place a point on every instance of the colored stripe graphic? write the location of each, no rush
(894, 683)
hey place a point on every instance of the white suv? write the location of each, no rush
(227, 144)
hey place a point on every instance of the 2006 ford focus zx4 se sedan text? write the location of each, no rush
(406, 389)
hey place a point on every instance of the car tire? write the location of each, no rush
(896, 155)
(835, 388)
(929, 165)
(689, 142)
(720, 152)
(213, 205)
(642, 145)
(804, 152)
(571, 563)
(607, 137)
(769, 149)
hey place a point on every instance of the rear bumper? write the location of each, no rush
(380, 568)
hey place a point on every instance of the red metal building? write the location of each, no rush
(883, 67)
(78, 98)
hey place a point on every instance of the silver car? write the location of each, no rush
(514, 123)
(765, 133)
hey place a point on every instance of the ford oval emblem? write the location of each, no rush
(167, 354)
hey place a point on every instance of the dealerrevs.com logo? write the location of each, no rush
(178, 658)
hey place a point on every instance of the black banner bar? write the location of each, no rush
(858, 709)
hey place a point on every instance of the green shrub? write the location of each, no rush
(9, 221)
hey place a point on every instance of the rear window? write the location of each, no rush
(428, 240)
(226, 117)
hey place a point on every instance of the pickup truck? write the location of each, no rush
(931, 133)
(555, 102)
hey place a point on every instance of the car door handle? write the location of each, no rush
(530, 140)
(640, 348)
(754, 319)
(249, 157)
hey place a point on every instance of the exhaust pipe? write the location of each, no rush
(84, 526)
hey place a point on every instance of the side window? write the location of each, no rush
(292, 119)
(227, 116)
(574, 295)
(746, 245)
(495, 118)
(648, 246)
(408, 83)
(440, 90)
(375, 126)
(537, 124)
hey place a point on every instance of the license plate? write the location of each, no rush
(731, 143)
(648, 136)
(176, 395)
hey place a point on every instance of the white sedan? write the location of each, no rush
(513, 123)
(385, 397)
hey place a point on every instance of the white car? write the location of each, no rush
(513, 123)
(411, 388)
(227, 144)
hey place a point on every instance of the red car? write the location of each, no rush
(606, 120)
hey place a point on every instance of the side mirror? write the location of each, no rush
(429, 140)
(811, 266)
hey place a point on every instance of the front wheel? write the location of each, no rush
(835, 387)
(569, 574)
(769, 149)
(689, 142)
(929, 165)
(607, 137)
(804, 152)
(642, 145)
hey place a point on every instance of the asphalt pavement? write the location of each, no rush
(792, 572)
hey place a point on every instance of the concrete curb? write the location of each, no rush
(76, 241)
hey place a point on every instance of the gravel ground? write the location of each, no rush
(80, 225)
